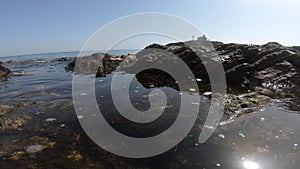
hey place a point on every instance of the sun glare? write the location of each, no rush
(250, 165)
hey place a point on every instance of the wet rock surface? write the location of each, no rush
(245, 66)
(4, 71)
(270, 70)
(9, 121)
(103, 64)
(5, 109)
(238, 105)
(13, 123)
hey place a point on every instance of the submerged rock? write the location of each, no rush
(76, 156)
(50, 119)
(237, 105)
(34, 148)
(13, 123)
(5, 109)
(37, 144)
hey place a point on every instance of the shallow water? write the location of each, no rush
(266, 139)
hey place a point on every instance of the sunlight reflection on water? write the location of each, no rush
(250, 165)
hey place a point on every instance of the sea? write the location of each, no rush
(56, 55)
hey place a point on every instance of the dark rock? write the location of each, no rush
(296, 48)
(4, 72)
(269, 69)
(70, 66)
(64, 59)
(238, 105)
(103, 63)
(272, 58)
(155, 45)
(244, 105)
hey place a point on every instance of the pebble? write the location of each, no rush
(80, 117)
(242, 135)
(262, 109)
(192, 89)
(207, 93)
(295, 146)
(14, 158)
(38, 113)
(34, 148)
(221, 136)
(50, 119)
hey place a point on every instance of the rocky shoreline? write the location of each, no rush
(270, 67)
(38, 122)
(255, 74)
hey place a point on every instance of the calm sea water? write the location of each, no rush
(48, 56)
(267, 139)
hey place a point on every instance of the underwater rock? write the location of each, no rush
(13, 123)
(37, 144)
(76, 156)
(34, 148)
(5, 109)
(238, 105)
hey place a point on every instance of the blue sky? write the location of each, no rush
(38, 26)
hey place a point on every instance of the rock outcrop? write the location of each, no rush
(247, 67)
(269, 69)
(4, 72)
(254, 73)
(106, 63)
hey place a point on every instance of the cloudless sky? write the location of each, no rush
(38, 26)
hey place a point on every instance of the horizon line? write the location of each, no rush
(64, 52)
